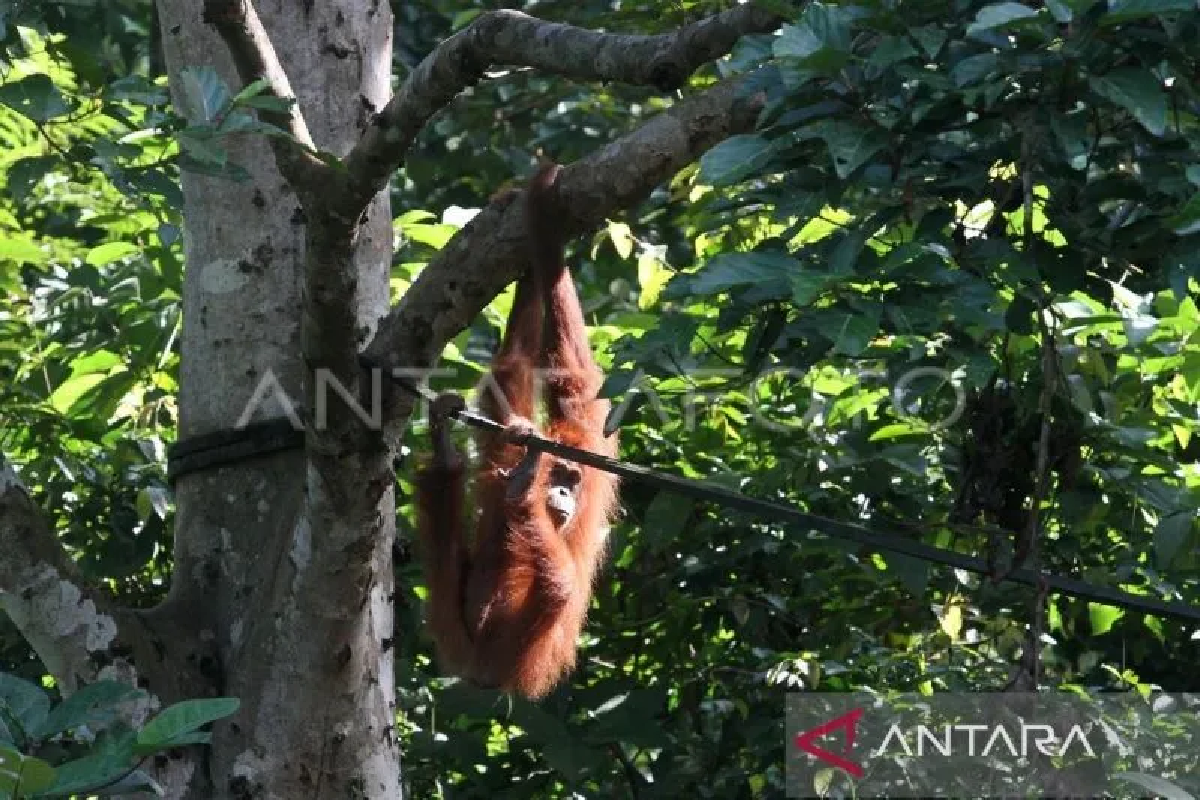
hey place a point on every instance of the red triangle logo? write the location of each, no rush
(847, 721)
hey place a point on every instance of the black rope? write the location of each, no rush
(888, 542)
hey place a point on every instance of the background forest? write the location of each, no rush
(947, 290)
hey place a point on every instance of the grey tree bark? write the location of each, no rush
(315, 684)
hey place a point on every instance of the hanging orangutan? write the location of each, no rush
(507, 606)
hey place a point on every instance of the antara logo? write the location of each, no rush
(805, 741)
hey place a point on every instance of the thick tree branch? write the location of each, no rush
(489, 252)
(75, 629)
(507, 37)
(254, 58)
(42, 592)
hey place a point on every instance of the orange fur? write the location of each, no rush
(506, 610)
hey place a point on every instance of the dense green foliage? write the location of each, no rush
(79, 748)
(955, 271)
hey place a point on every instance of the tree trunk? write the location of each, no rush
(314, 674)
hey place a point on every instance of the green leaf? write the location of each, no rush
(10, 771)
(1103, 617)
(999, 15)
(845, 254)
(90, 772)
(931, 38)
(1186, 220)
(563, 750)
(665, 517)
(891, 50)
(69, 392)
(1137, 91)
(630, 718)
(95, 705)
(136, 89)
(728, 270)
(22, 775)
(26, 703)
(278, 105)
(109, 252)
(850, 145)
(1019, 316)
(181, 720)
(26, 173)
(1071, 131)
(1125, 10)
(34, 96)
(1170, 535)
(821, 39)
(808, 285)
(252, 89)
(199, 144)
(974, 69)
(205, 95)
(854, 333)
(734, 159)
(22, 251)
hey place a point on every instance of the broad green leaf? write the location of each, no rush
(1103, 617)
(621, 236)
(1186, 220)
(1171, 534)
(974, 69)
(808, 285)
(737, 269)
(27, 173)
(22, 775)
(435, 235)
(26, 703)
(653, 275)
(665, 517)
(93, 705)
(821, 39)
(846, 253)
(895, 430)
(630, 718)
(999, 15)
(931, 38)
(850, 145)
(98, 361)
(71, 390)
(204, 93)
(890, 50)
(34, 96)
(1125, 10)
(10, 770)
(109, 252)
(22, 251)
(734, 159)
(252, 89)
(563, 749)
(182, 719)
(90, 772)
(200, 145)
(1137, 91)
(1071, 131)
(1020, 315)
(854, 333)
(136, 89)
